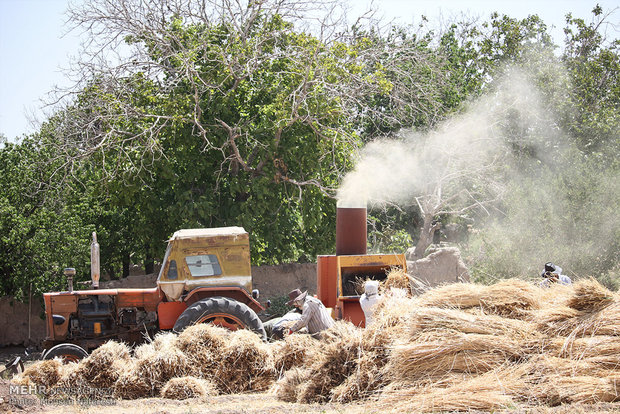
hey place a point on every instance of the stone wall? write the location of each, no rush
(14, 322)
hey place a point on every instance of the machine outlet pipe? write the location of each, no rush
(95, 262)
(351, 231)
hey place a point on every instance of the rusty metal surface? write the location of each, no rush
(350, 231)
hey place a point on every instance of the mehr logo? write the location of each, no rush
(15, 389)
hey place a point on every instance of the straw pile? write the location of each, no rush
(396, 278)
(460, 347)
(188, 387)
(244, 365)
(45, 373)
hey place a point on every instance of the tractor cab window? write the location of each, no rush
(172, 270)
(203, 265)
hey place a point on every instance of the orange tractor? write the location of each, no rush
(205, 277)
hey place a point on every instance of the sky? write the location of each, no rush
(35, 46)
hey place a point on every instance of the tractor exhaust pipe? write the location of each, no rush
(95, 262)
(351, 231)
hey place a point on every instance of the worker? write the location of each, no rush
(276, 327)
(553, 274)
(314, 315)
(369, 300)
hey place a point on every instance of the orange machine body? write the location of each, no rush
(340, 280)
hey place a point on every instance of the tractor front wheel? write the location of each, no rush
(221, 311)
(66, 352)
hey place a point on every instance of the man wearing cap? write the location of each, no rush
(553, 274)
(314, 315)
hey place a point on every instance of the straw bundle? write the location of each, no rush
(286, 388)
(589, 295)
(559, 320)
(589, 347)
(103, 367)
(558, 389)
(487, 392)
(451, 319)
(202, 344)
(131, 386)
(296, 350)
(245, 364)
(187, 387)
(396, 278)
(46, 373)
(510, 298)
(340, 349)
(365, 380)
(439, 353)
(159, 363)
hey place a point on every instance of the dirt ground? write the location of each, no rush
(257, 403)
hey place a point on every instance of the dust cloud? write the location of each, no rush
(505, 165)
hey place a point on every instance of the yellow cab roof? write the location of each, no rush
(206, 233)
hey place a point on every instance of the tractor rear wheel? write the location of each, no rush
(221, 311)
(66, 352)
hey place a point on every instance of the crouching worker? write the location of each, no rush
(275, 328)
(553, 274)
(314, 315)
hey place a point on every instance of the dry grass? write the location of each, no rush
(188, 387)
(396, 278)
(460, 347)
(589, 295)
(46, 373)
(245, 364)
(509, 298)
(294, 351)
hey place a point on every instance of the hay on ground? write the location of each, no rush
(161, 362)
(589, 295)
(439, 353)
(131, 386)
(45, 373)
(203, 344)
(295, 351)
(510, 298)
(287, 387)
(104, 365)
(245, 364)
(188, 387)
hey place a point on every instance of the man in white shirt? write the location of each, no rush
(369, 300)
(553, 274)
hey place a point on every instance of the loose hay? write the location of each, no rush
(203, 344)
(187, 387)
(589, 295)
(396, 278)
(245, 364)
(509, 298)
(44, 373)
(295, 351)
(456, 348)
(103, 367)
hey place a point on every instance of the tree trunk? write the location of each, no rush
(426, 236)
(149, 262)
(126, 263)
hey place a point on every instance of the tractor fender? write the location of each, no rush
(233, 292)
